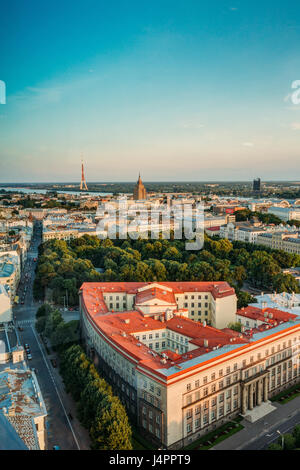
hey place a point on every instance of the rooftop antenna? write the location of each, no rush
(83, 185)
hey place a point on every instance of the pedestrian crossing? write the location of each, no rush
(25, 322)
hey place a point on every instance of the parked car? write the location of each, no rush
(56, 448)
(29, 357)
(53, 362)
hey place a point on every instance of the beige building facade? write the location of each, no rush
(181, 378)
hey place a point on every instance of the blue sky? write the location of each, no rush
(179, 90)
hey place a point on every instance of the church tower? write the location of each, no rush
(139, 191)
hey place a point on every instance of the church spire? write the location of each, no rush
(139, 190)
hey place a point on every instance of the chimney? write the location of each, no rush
(206, 343)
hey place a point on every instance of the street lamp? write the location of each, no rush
(282, 438)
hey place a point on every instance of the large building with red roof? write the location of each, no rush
(167, 350)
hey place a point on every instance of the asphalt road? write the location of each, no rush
(272, 434)
(60, 429)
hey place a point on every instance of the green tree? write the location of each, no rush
(111, 429)
(237, 326)
(289, 441)
(275, 446)
(296, 435)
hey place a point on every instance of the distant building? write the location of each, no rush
(139, 190)
(5, 306)
(285, 241)
(285, 213)
(256, 185)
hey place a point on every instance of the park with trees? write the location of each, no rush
(63, 266)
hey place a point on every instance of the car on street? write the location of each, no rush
(56, 448)
(53, 362)
(29, 357)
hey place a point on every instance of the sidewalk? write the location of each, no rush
(258, 430)
(81, 433)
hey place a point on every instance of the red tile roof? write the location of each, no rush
(268, 315)
(155, 293)
(217, 289)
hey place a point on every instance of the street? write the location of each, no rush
(259, 435)
(62, 431)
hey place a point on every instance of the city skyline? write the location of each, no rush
(182, 92)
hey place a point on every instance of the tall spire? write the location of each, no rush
(83, 185)
(139, 190)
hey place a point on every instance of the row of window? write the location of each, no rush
(212, 377)
(272, 360)
(211, 417)
(197, 396)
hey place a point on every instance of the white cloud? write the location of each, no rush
(295, 126)
(248, 144)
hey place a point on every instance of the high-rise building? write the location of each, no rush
(139, 191)
(256, 184)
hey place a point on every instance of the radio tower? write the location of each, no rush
(83, 185)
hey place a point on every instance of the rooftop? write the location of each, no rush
(206, 343)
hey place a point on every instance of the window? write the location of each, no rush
(188, 387)
(189, 400)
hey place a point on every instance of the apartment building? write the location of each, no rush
(286, 241)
